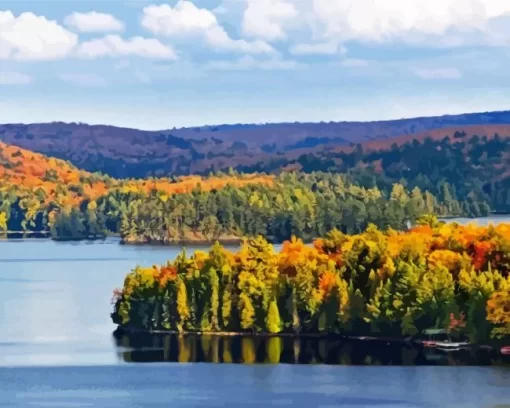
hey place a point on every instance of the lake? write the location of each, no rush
(57, 348)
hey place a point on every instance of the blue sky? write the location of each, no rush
(154, 65)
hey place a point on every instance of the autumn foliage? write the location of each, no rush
(41, 187)
(32, 171)
(380, 283)
(49, 196)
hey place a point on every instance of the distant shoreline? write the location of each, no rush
(230, 241)
(183, 242)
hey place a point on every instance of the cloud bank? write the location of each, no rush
(93, 22)
(188, 21)
(31, 37)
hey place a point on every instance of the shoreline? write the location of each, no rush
(133, 331)
(404, 341)
(183, 242)
(228, 241)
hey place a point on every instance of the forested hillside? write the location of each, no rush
(304, 205)
(37, 191)
(42, 194)
(387, 183)
(123, 152)
(471, 167)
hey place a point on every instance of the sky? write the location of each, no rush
(157, 65)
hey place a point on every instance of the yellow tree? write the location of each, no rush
(498, 311)
(3, 221)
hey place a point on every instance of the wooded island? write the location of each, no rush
(379, 283)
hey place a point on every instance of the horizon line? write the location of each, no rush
(254, 124)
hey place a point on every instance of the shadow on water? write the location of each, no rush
(190, 348)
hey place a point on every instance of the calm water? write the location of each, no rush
(57, 349)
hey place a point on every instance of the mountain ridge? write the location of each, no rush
(124, 152)
(254, 124)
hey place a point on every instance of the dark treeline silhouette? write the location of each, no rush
(158, 348)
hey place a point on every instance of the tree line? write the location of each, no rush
(41, 194)
(304, 205)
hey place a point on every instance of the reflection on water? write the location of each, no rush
(55, 299)
(144, 348)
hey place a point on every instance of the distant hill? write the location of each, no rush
(28, 174)
(23, 170)
(471, 163)
(124, 152)
(38, 192)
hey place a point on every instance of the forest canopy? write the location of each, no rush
(474, 168)
(47, 195)
(228, 208)
(304, 205)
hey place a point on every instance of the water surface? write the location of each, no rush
(57, 349)
(221, 385)
(56, 298)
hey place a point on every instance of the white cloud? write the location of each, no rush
(219, 39)
(437, 73)
(435, 22)
(14, 78)
(187, 20)
(85, 80)
(327, 48)
(184, 18)
(267, 19)
(32, 37)
(93, 22)
(116, 46)
(250, 63)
